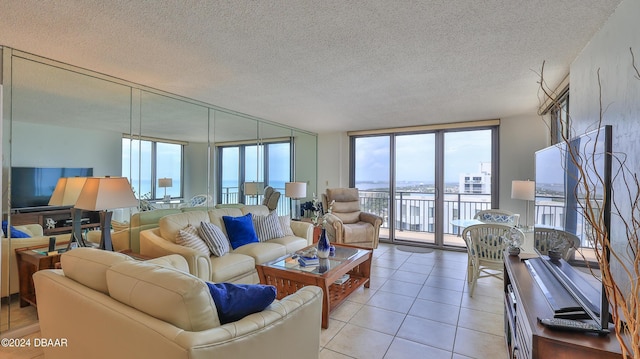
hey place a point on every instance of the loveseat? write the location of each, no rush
(237, 266)
(10, 279)
(106, 305)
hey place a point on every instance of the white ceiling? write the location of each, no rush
(322, 66)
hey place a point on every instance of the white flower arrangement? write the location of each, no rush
(317, 210)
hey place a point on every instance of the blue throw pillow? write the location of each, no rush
(236, 301)
(15, 233)
(240, 230)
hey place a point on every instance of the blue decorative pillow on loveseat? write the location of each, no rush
(236, 301)
(15, 233)
(240, 230)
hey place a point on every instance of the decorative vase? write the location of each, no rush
(323, 245)
(514, 251)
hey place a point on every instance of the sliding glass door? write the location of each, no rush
(420, 183)
(415, 190)
(468, 166)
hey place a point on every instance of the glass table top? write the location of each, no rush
(340, 255)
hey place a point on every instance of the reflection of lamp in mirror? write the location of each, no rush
(102, 194)
(253, 189)
(295, 191)
(525, 191)
(164, 183)
(66, 194)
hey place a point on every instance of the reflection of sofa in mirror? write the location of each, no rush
(237, 266)
(10, 279)
(153, 309)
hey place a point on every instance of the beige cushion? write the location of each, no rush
(167, 294)
(262, 251)
(348, 217)
(172, 224)
(88, 266)
(291, 243)
(255, 210)
(358, 232)
(231, 265)
(285, 223)
(174, 261)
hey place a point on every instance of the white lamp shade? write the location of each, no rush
(104, 193)
(67, 191)
(253, 188)
(295, 190)
(165, 182)
(523, 190)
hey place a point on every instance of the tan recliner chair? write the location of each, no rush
(347, 224)
(271, 198)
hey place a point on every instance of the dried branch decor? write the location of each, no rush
(619, 263)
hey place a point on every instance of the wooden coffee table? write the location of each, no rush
(288, 277)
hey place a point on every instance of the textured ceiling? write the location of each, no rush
(322, 66)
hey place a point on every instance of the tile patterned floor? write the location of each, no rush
(417, 307)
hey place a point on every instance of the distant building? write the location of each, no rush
(477, 183)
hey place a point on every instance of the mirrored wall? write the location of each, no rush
(59, 116)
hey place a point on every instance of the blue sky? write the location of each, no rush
(415, 156)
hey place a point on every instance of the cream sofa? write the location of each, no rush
(106, 305)
(10, 279)
(238, 266)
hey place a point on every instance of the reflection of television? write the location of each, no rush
(559, 204)
(33, 186)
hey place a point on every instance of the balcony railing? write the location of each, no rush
(232, 195)
(415, 211)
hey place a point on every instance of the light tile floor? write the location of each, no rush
(418, 306)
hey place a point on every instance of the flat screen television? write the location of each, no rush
(559, 204)
(31, 187)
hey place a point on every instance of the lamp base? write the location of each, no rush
(76, 229)
(105, 227)
(295, 212)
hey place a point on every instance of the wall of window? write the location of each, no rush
(268, 164)
(422, 180)
(150, 161)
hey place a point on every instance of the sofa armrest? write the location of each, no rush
(153, 245)
(303, 230)
(296, 317)
(34, 230)
(333, 228)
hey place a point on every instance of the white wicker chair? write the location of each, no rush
(486, 244)
(199, 200)
(546, 239)
(498, 216)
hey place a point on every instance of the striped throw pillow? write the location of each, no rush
(214, 238)
(188, 237)
(267, 227)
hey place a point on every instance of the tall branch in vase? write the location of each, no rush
(623, 286)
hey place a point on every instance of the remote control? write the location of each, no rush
(571, 325)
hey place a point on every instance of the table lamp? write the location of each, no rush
(295, 191)
(253, 189)
(66, 194)
(103, 194)
(164, 183)
(526, 191)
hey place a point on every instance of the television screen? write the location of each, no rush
(560, 203)
(33, 186)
